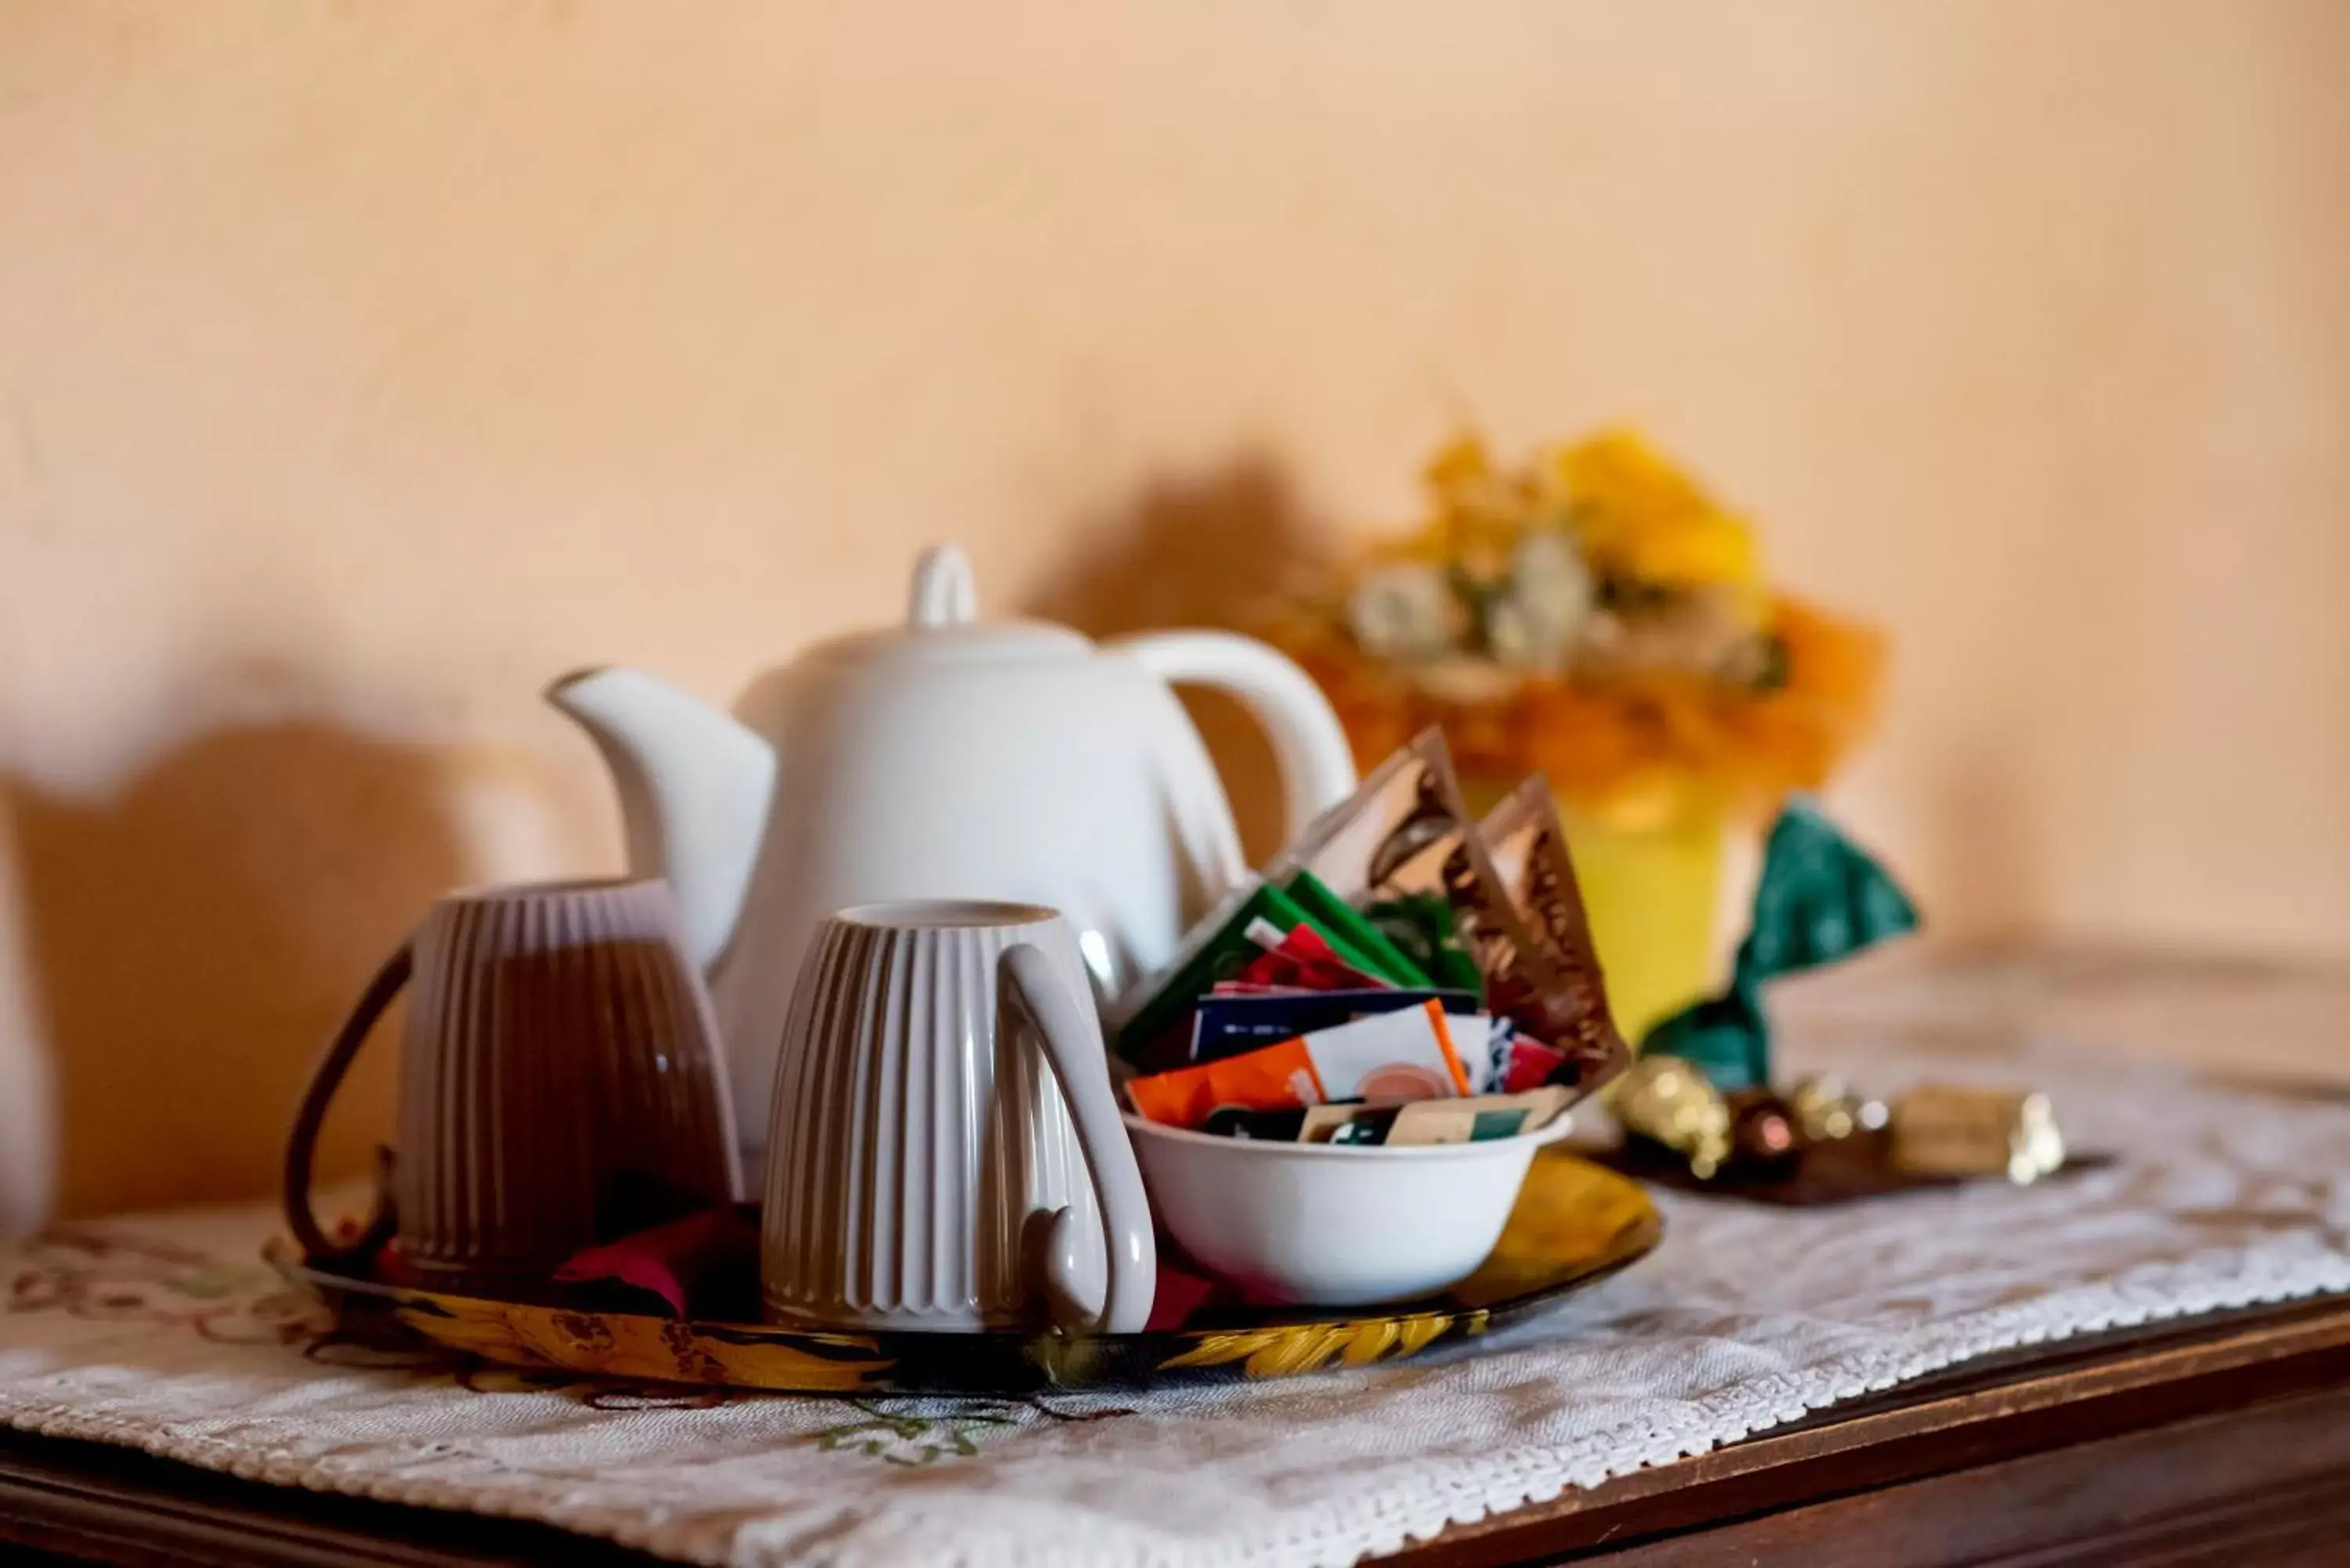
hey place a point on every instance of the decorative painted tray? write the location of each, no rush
(1574, 1223)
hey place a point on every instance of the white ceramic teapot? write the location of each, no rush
(950, 758)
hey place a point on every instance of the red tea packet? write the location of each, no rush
(1300, 960)
(1382, 1059)
(1531, 1064)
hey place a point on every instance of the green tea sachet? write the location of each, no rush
(1335, 919)
(1223, 953)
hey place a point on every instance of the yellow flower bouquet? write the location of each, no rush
(1595, 615)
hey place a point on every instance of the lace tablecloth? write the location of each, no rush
(164, 1333)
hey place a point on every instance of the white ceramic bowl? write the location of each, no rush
(1331, 1225)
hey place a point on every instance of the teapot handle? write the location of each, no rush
(1317, 768)
(1035, 994)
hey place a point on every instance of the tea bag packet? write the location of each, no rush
(1231, 1025)
(1387, 1057)
(1297, 960)
(1352, 1125)
(1480, 1119)
(1259, 1126)
(1517, 1063)
(1528, 847)
(1362, 934)
(1407, 835)
(1818, 899)
(1422, 1123)
(1266, 923)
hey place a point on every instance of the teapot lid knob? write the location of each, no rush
(943, 594)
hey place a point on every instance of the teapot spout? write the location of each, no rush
(694, 784)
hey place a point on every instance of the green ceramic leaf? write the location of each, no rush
(1726, 1036)
(1819, 899)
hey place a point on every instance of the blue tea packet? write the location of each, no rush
(1230, 1025)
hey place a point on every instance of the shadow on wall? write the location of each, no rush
(1199, 551)
(193, 941)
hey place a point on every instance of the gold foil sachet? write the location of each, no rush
(1527, 845)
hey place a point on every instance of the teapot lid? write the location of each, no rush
(942, 623)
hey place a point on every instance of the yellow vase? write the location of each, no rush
(1652, 893)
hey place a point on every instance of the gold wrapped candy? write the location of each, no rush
(1941, 1129)
(1669, 1101)
(1825, 1110)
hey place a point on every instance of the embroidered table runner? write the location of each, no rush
(164, 1332)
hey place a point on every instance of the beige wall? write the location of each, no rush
(362, 364)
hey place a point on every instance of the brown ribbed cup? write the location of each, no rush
(558, 1043)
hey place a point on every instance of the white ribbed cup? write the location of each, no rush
(924, 1167)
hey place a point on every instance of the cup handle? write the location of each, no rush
(302, 1143)
(1041, 1000)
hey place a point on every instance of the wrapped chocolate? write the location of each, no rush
(1765, 1141)
(1819, 897)
(1671, 1103)
(1942, 1130)
(1825, 1111)
(1527, 845)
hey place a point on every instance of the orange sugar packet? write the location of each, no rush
(1386, 1059)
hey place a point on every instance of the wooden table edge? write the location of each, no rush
(1986, 1410)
